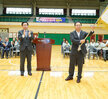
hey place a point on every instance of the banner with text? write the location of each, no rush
(50, 20)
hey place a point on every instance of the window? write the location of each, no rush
(83, 12)
(51, 11)
(18, 11)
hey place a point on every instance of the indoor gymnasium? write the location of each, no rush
(53, 49)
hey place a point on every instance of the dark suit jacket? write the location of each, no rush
(76, 42)
(26, 41)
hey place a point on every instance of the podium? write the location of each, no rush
(43, 52)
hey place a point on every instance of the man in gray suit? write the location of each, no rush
(25, 36)
(77, 57)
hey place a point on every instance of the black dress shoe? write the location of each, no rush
(105, 60)
(78, 80)
(29, 73)
(22, 73)
(69, 78)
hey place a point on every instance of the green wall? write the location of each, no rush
(57, 37)
(96, 37)
(10, 39)
(106, 37)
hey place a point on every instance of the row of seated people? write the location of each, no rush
(98, 49)
(11, 48)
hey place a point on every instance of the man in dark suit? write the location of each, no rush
(25, 36)
(6, 47)
(77, 57)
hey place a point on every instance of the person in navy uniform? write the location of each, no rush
(1, 45)
(6, 47)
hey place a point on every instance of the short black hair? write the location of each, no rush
(24, 22)
(77, 22)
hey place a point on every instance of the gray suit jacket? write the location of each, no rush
(26, 41)
(76, 42)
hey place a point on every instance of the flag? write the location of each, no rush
(103, 19)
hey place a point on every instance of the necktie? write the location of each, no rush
(26, 33)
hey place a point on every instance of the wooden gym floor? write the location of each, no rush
(52, 84)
